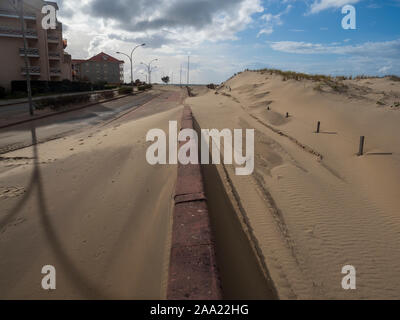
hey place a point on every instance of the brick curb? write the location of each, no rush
(193, 273)
(61, 112)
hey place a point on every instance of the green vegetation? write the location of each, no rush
(2, 93)
(125, 90)
(107, 94)
(59, 102)
(335, 83)
(318, 87)
(190, 92)
(394, 78)
(145, 87)
(165, 79)
(291, 75)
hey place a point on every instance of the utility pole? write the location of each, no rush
(188, 70)
(27, 64)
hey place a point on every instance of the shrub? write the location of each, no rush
(107, 94)
(318, 87)
(211, 86)
(125, 90)
(59, 102)
(394, 78)
(190, 91)
(2, 92)
(165, 79)
(39, 86)
(99, 85)
(337, 86)
(18, 95)
(138, 83)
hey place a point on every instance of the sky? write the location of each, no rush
(223, 37)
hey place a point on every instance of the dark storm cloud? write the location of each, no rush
(134, 15)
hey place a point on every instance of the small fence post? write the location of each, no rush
(318, 126)
(287, 114)
(362, 141)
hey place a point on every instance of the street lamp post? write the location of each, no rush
(149, 69)
(131, 58)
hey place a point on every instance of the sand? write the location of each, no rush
(90, 205)
(312, 205)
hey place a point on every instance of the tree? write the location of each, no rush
(165, 79)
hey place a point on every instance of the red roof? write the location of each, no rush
(104, 57)
(75, 61)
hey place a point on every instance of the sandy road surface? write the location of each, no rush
(59, 125)
(90, 205)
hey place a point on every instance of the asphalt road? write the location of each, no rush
(80, 196)
(60, 125)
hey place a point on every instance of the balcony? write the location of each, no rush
(53, 39)
(15, 15)
(54, 56)
(30, 52)
(17, 33)
(33, 71)
(55, 71)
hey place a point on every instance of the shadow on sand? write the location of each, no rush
(36, 188)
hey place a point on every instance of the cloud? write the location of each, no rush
(171, 29)
(385, 69)
(390, 49)
(203, 19)
(320, 5)
(269, 21)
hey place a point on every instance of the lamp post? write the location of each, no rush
(149, 69)
(131, 58)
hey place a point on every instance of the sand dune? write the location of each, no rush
(312, 205)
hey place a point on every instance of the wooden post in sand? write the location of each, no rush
(268, 108)
(362, 141)
(287, 114)
(318, 126)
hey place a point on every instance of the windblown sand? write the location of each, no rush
(91, 206)
(314, 206)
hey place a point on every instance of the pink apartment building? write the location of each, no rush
(47, 58)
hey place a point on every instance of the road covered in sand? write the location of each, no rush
(88, 203)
